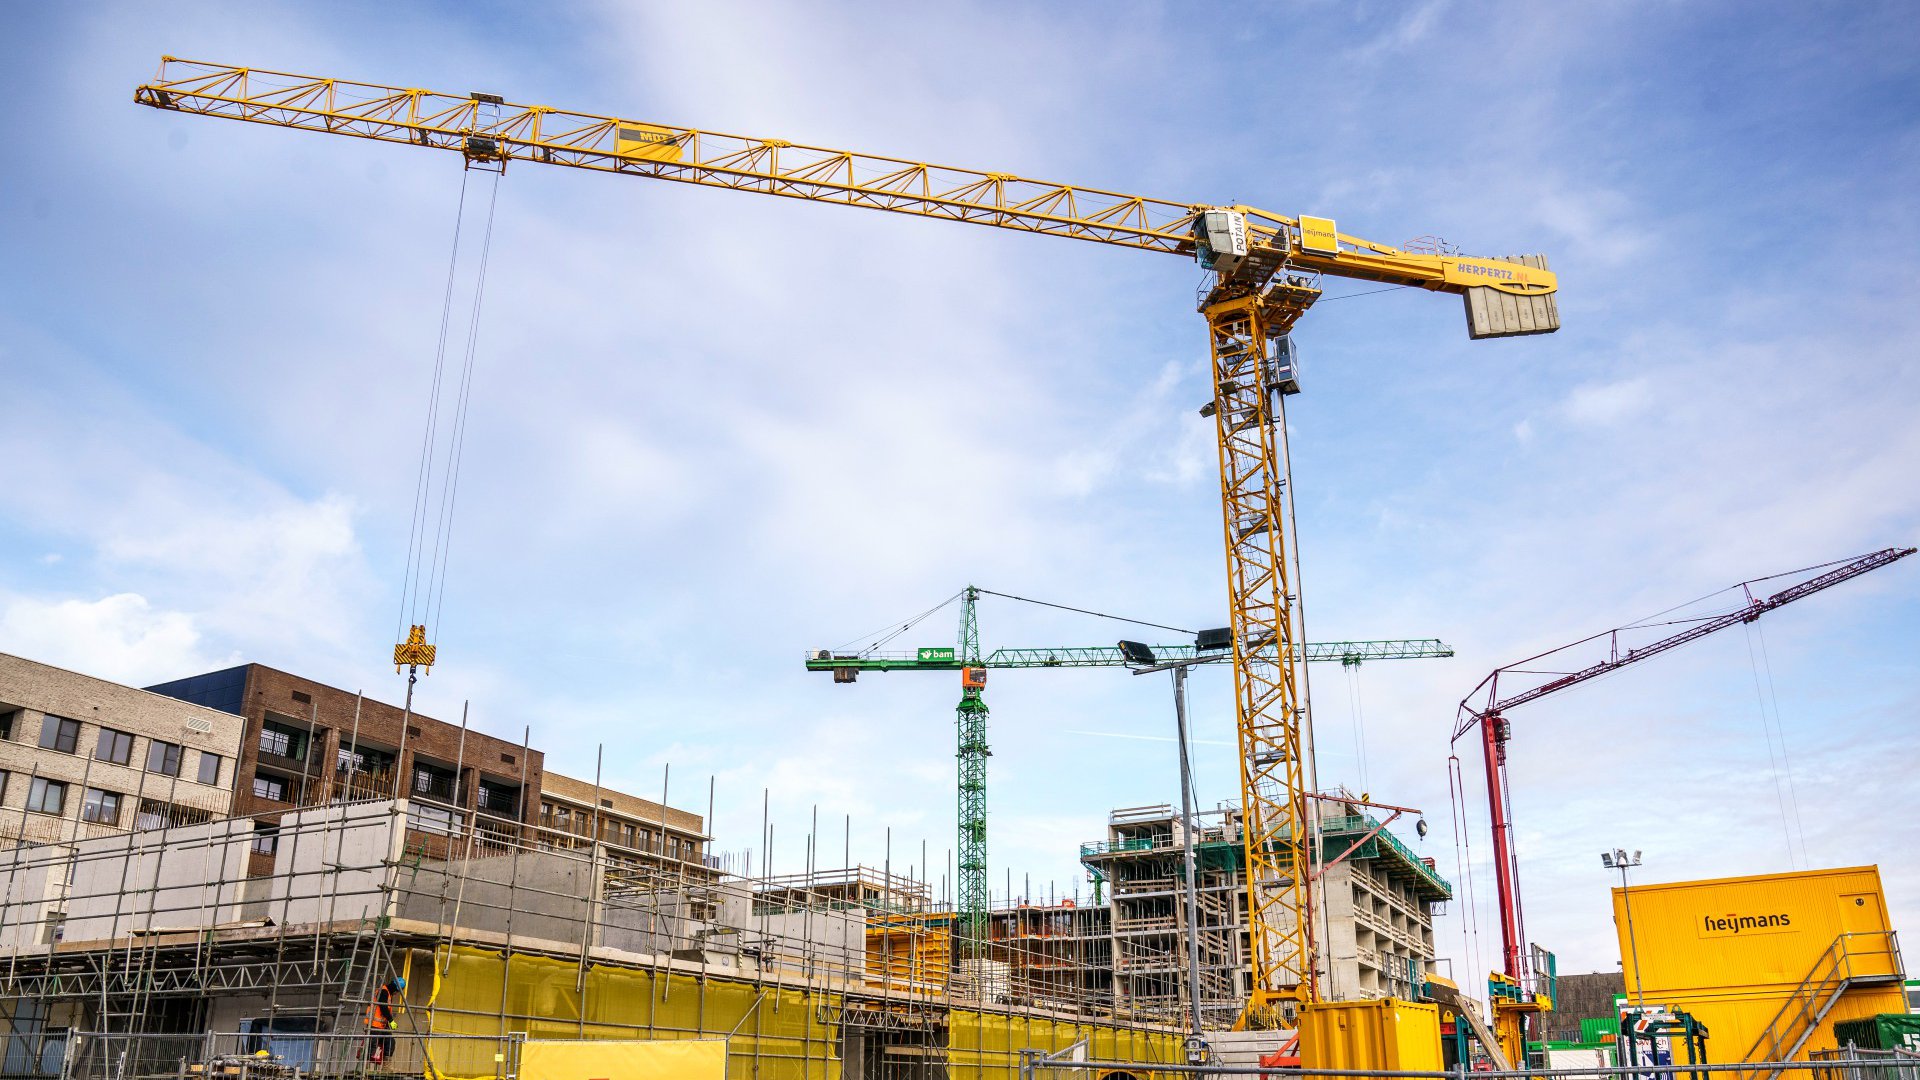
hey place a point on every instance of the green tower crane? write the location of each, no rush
(970, 716)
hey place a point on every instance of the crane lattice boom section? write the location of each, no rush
(485, 126)
(1752, 609)
(1345, 652)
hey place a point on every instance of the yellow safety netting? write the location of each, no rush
(479, 997)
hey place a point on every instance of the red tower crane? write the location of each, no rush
(1490, 720)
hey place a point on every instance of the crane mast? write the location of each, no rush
(1267, 267)
(1488, 718)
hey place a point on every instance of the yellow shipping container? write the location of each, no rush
(1383, 1033)
(1735, 952)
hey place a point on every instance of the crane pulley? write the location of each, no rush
(1266, 270)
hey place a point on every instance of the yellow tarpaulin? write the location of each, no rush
(610, 1059)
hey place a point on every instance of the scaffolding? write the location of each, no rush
(171, 946)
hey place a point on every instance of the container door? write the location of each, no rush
(1870, 949)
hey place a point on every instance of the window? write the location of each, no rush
(209, 768)
(362, 760)
(47, 796)
(60, 734)
(114, 746)
(433, 819)
(499, 798)
(281, 740)
(8, 717)
(270, 788)
(101, 807)
(266, 838)
(163, 758)
(153, 814)
(433, 782)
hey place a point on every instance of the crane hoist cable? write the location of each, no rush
(443, 438)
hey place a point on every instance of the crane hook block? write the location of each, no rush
(413, 652)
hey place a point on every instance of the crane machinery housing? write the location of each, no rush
(1266, 269)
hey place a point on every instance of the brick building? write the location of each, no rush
(309, 744)
(636, 833)
(82, 757)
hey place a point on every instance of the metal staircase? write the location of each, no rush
(1858, 959)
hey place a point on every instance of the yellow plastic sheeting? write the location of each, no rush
(989, 1044)
(774, 1034)
(601, 1059)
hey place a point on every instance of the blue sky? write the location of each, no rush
(710, 432)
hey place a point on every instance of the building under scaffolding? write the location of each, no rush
(1376, 899)
(163, 943)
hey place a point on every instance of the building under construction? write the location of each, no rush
(1374, 898)
(167, 932)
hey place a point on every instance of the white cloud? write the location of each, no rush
(1607, 404)
(121, 637)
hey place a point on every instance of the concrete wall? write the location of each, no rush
(29, 876)
(31, 692)
(158, 879)
(333, 862)
(534, 894)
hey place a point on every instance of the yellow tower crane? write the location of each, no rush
(1265, 274)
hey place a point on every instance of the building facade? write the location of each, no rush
(636, 833)
(309, 744)
(1375, 901)
(82, 758)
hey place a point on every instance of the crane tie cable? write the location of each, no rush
(1084, 611)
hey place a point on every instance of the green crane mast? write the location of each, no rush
(970, 716)
(970, 723)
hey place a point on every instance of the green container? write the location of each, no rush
(1888, 1031)
(1599, 1029)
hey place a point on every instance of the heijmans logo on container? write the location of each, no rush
(1731, 925)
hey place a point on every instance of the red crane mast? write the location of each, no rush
(1489, 717)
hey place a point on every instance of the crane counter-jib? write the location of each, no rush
(1511, 296)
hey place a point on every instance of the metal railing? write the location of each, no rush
(1840, 1065)
(268, 1055)
(1851, 957)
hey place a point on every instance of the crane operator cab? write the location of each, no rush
(1281, 369)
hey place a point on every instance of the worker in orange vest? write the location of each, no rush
(380, 1020)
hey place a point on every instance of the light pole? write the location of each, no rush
(1618, 859)
(1144, 662)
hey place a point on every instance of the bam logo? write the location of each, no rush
(1729, 925)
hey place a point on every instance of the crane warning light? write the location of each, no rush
(973, 678)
